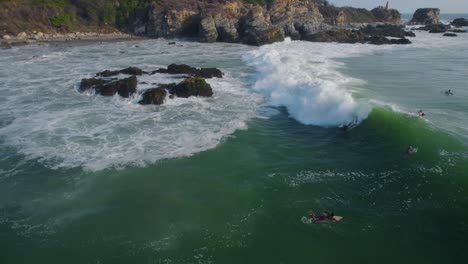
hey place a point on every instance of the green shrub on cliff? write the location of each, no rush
(60, 21)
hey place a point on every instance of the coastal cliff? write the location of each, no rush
(253, 22)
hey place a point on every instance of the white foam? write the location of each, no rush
(303, 77)
(53, 123)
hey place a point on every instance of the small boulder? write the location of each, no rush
(210, 73)
(22, 35)
(450, 35)
(192, 87)
(6, 37)
(154, 96)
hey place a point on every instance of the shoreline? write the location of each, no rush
(78, 37)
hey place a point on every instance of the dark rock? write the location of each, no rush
(186, 69)
(426, 16)
(402, 41)
(388, 31)
(379, 40)
(129, 71)
(458, 31)
(450, 35)
(460, 22)
(438, 28)
(90, 83)
(154, 96)
(192, 87)
(124, 87)
(171, 43)
(132, 71)
(340, 36)
(210, 73)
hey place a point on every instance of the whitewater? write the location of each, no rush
(44, 117)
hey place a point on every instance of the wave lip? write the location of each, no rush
(303, 77)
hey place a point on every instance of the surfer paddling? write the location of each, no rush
(411, 151)
(421, 113)
(326, 216)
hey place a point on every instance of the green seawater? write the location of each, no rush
(242, 201)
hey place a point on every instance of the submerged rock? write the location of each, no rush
(450, 35)
(401, 41)
(186, 69)
(154, 96)
(87, 84)
(194, 86)
(129, 71)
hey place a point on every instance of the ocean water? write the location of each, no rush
(90, 179)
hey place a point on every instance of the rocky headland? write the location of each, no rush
(251, 22)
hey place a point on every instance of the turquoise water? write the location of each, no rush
(85, 179)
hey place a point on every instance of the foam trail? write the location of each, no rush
(306, 81)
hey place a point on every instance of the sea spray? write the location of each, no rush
(303, 77)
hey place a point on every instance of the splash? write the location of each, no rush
(303, 77)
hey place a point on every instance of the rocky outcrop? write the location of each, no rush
(388, 31)
(207, 31)
(426, 16)
(195, 85)
(257, 24)
(391, 16)
(460, 22)
(370, 35)
(340, 36)
(124, 87)
(188, 70)
(192, 87)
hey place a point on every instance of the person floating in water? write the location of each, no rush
(323, 217)
(411, 151)
(449, 92)
(421, 113)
